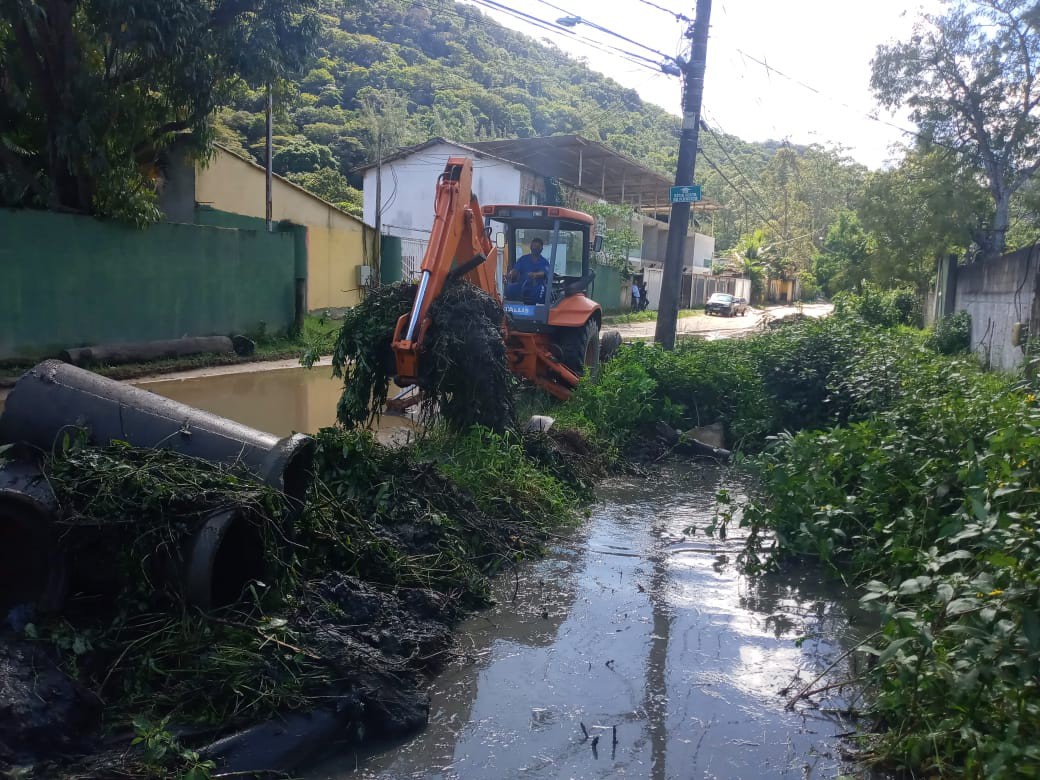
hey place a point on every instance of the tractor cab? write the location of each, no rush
(544, 260)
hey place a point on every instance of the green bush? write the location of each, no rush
(788, 379)
(928, 502)
(951, 334)
(875, 306)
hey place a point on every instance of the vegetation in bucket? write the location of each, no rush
(466, 380)
(466, 374)
(361, 352)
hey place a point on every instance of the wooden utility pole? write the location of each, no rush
(679, 220)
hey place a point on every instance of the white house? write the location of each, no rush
(525, 170)
(409, 183)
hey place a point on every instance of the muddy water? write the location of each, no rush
(640, 625)
(281, 401)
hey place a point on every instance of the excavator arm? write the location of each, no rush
(458, 247)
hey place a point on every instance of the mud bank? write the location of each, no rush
(341, 636)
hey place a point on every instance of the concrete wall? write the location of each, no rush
(410, 184)
(72, 281)
(335, 247)
(997, 294)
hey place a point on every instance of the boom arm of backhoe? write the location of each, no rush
(458, 247)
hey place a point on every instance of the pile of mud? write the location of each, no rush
(387, 555)
(463, 369)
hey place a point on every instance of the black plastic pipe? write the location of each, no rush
(32, 570)
(53, 399)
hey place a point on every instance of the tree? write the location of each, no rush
(752, 258)
(927, 207)
(301, 156)
(969, 79)
(843, 263)
(330, 185)
(92, 91)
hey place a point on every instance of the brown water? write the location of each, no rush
(640, 625)
(280, 401)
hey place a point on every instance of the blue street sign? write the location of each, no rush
(690, 194)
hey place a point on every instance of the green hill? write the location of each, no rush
(412, 70)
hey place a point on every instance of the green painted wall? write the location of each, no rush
(607, 292)
(70, 281)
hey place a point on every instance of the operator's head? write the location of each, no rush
(536, 246)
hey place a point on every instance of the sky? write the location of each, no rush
(825, 44)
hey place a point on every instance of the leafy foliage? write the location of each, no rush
(875, 306)
(968, 78)
(362, 354)
(927, 504)
(462, 365)
(93, 92)
(951, 334)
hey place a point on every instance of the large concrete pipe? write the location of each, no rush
(140, 351)
(32, 570)
(219, 556)
(54, 398)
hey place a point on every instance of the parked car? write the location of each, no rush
(724, 303)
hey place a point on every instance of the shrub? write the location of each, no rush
(928, 503)
(951, 334)
(887, 308)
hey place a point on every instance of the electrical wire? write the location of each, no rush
(772, 220)
(542, 24)
(770, 69)
(678, 16)
(606, 30)
(735, 188)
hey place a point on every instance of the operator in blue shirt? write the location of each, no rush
(528, 277)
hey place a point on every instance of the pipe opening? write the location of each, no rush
(297, 476)
(224, 555)
(26, 557)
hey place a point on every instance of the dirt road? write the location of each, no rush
(720, 327)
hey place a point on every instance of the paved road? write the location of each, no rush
(721, 327)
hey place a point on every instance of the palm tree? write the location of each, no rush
(752, 258)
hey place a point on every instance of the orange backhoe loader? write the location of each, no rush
(551, 329)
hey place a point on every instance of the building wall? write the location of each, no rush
(335, 241)
(997, 294)
(699, 252)
(72, 281)
(696, 288)
(409, 187)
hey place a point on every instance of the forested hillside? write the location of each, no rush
(405, 71)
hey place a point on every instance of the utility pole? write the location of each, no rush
(270, 147)
(679, 220)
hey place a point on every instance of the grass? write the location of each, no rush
(646, 316)
(268, 347)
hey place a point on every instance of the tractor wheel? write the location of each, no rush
(580, 348)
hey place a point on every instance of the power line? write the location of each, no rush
(772, 220)
(735, 188)
(678, 16)
(576, 18)
(629, 56)
(770, 69)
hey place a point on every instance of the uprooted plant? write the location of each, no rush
(464, 375)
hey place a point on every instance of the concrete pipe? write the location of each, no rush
(222, 556)
(32, 568)
(140, 351)
(54, 398)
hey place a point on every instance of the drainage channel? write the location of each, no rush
(639, 631)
